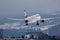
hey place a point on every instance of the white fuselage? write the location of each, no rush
(33, 18)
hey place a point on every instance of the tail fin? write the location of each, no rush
(25, 14)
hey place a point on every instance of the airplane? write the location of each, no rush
(31, 19)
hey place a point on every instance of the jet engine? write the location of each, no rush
(26, 22)
(42, 21)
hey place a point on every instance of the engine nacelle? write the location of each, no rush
(42, 21)
(26, 22)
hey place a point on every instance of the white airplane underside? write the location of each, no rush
(33, 18)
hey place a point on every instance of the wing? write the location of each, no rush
(47, 18)
(31, 19)
(16, 19)
(50, 18)
(34, 18)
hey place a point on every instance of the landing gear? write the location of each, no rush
(37, 23)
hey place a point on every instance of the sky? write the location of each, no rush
(14, 8)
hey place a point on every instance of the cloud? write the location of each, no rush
(13, 26)
(43, 28)
(47, 27)
(10, 26)
(19, 26)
